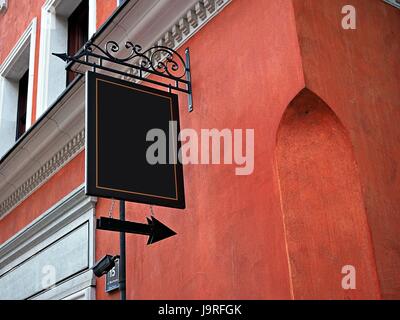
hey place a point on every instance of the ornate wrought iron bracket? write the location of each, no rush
(159, 65)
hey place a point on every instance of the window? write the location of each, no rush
(16, 89)
(65, 26)
(22, 104)
(78, 30)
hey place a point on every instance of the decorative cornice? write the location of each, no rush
(57, 161)
(191, 22)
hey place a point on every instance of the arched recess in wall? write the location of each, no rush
(325, 222)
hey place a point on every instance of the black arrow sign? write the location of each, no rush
(154, 229)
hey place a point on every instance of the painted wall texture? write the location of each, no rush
(104, 9)
(230, 241)
(325, 186)
(322, 204)
(356, 73)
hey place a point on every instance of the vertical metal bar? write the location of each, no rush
(122, 261)
(189, 78)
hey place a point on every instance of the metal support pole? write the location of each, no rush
(122, 261)
(189, 79)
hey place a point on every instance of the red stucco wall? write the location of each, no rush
(247, 66)
(104, 9)
(324, 212)
(357, 74)
(230, 241)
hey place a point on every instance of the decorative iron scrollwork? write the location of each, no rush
(160, 59)
(135, 63)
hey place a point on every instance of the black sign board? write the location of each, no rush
(119, 116)
(112, 277)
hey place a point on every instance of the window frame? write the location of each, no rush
(20, 59)
(75, 34)
(54, 38)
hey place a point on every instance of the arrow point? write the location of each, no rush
(62, 56)
(159, 231)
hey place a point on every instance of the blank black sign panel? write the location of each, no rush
(119, 115)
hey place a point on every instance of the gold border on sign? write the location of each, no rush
(97, 138)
